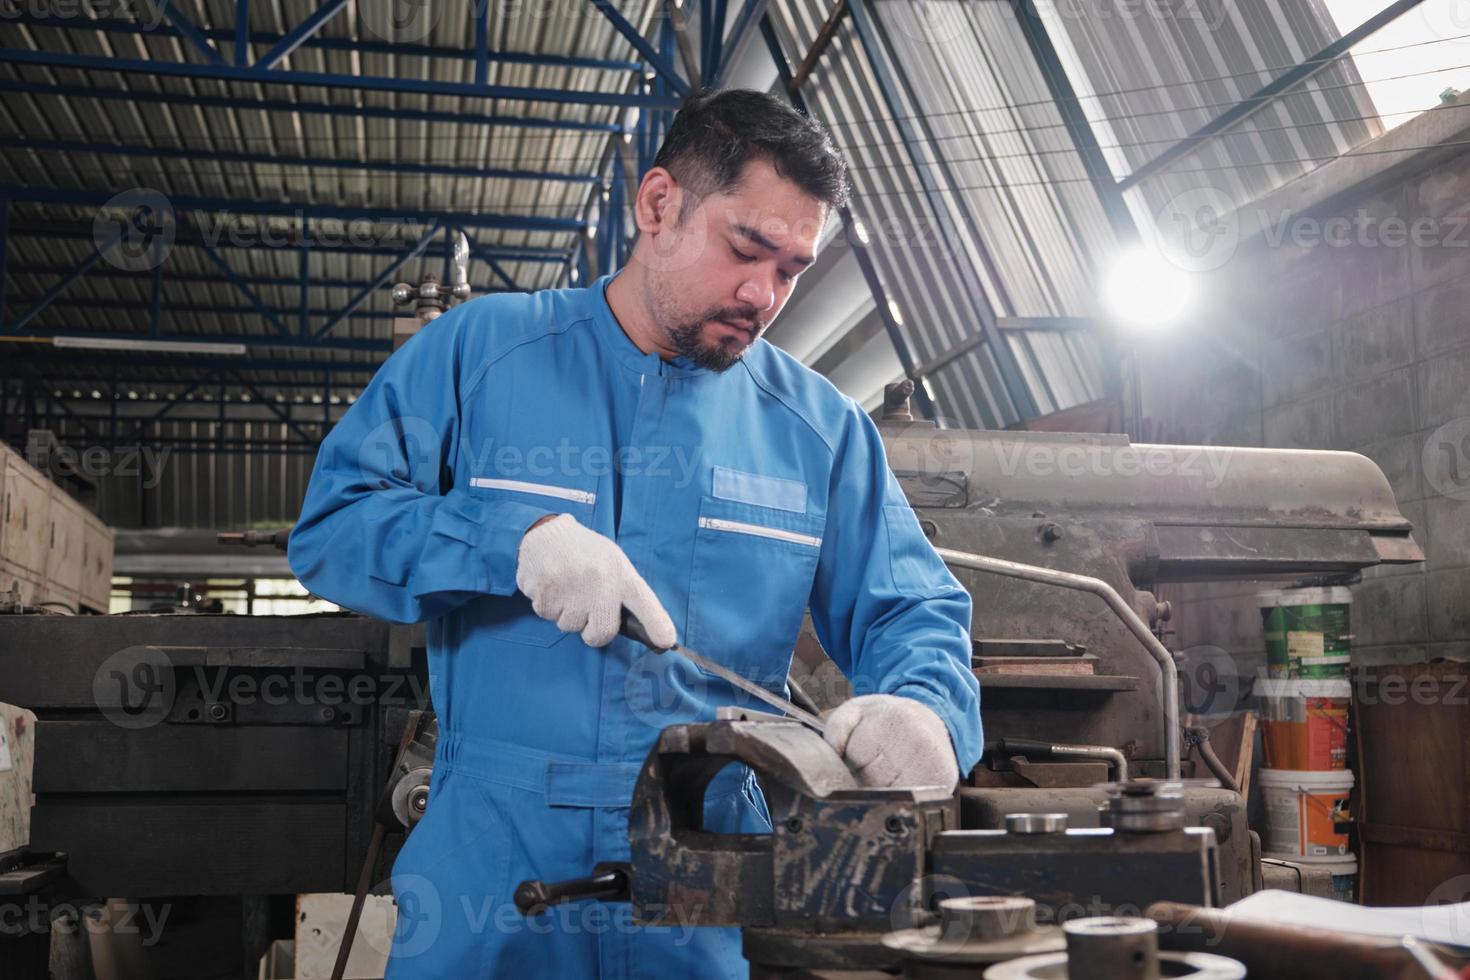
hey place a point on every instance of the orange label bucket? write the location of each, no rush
(1304, 724)
(1307, 813)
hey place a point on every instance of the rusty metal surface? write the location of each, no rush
(841, 858)
(1133, 517)
(1220, 810)
(1282, 952)
(845, 865)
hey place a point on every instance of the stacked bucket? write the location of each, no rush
(1304, 712)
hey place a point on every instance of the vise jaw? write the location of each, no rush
(840, 857)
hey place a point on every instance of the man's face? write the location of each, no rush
(725, 266)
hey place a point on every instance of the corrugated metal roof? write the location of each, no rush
(74, 107)
(997, 143)
(1154, 73)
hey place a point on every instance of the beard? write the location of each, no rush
(719, 354)
(686, 333)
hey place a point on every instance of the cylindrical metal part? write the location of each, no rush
(1282, 952)
(986, 917)
(1036, 823)
(1111, 948)
(1142, 806)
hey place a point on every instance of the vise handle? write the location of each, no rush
(608, 882)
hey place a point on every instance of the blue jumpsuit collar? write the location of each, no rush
(626, 351)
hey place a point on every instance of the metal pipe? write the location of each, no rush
(1115, 758)
(1125, 612)
(1201, 739)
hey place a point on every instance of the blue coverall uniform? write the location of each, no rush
(742, 497)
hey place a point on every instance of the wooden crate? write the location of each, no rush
(1413, 809)
(17, 761)
(27, 536)
(32, 590)
(97, 551)
(64, 552)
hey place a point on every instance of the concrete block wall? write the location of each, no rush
(1355, 341)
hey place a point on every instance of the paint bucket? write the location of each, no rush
(1307, 631)
(1304, 723)
(1307, 812)
(1344, 871)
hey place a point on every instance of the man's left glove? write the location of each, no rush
(889, 740)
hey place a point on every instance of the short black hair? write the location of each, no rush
(715, 134)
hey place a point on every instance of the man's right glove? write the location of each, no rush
(582, 581)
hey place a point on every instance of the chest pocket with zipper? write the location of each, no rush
(752, 575)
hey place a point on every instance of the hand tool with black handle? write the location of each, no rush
(633, 629)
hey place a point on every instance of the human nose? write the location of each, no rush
(757, 292)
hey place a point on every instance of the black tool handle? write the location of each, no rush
(632, 628)
(608, 883)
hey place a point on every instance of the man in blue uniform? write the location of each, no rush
(527, 466)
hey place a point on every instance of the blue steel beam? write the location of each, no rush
(76, 273)
(353, 111)
(155, 299)
(292, 281)
(662, 65)
(189, 32)
(716, 49)
(248, 339)
(439, 52)
(173, 308)
(110, 387)
(552, 256)
(240, 284)
(194, 363)
(5, 267)
(1012, 380)
(791, 85)
(283, 160)
(750, 14)
(276, 410)
(482, 41)
(91, 198)
(303, 267)
(300, 33)
(381, 280)
(328, 80)
(1271, 90)
(242, 33)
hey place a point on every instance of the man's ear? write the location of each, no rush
(658, 202)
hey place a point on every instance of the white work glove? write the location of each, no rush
(582, 580)
(888, 740)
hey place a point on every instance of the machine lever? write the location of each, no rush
(608, 882)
